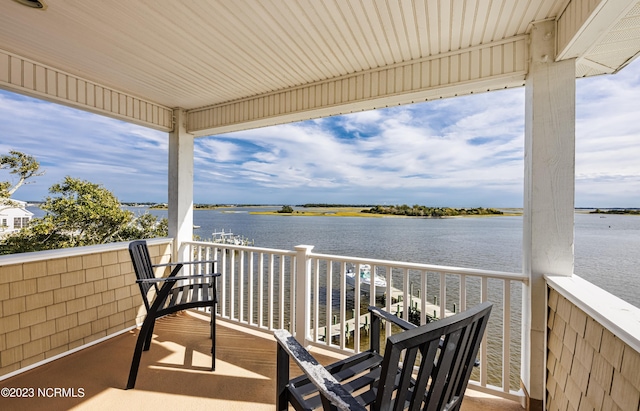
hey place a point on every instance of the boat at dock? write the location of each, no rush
(364, 271)
(222, 237)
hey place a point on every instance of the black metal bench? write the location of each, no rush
(426, 367)
(169, 298)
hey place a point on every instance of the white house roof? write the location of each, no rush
(248, 63)
(12, 208)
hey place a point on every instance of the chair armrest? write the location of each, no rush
(176, 278)
(328, 386)
(184, 262)
(385, 315)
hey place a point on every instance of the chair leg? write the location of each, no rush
(213, 338)
(282, 379)
(147, 342)
(147, 325)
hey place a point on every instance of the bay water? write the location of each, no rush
(607, 248)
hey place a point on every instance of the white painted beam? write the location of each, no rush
(180, 211)
(583, 23)
(548, 196)
(21, 75)
(487, 67)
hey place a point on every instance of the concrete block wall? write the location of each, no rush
(588, 367)
(56, 301)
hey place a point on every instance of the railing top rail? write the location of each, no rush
(242, 247)
(427, 267)
(503, 275)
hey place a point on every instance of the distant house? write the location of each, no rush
(13, 216)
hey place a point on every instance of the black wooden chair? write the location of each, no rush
(423, 368)
(199, 291)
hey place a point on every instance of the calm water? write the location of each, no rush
(607, 250)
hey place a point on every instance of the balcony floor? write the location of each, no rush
(174, 373)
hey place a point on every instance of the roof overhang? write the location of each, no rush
(245, 64)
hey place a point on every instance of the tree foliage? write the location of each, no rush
(423, 211)
(23, 166)
(80, 213)
(286, 209)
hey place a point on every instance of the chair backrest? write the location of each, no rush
(143, 267)
(443, 353)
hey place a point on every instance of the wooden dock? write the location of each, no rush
(396, 307)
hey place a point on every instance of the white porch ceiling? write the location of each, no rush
(234, 64)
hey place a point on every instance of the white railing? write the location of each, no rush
(308, 294)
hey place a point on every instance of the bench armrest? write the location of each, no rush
(330, 389)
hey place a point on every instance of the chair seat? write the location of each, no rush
(355, 373)
(189, 296)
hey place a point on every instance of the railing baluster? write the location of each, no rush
(405, 296)
(224, 282)
(232, 285)
(281, 289)
(329, 304)
(442, 300)
(270, 294)
(343, 304)
(316, 298)
(389, 279)
(250, 283)
(356, 308)
(261, 290)
(423, 297)
(484, 292)
(506, 337)
(241, 277)
(292, 296)
(463, 292)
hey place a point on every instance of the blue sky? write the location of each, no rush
(460, 152)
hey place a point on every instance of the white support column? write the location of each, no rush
(302, 312)
(180, 183)
(548, 195)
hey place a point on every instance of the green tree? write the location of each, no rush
(23, 166)
(286, 209)
(81, 213)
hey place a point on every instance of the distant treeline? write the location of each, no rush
(324, 205)
(423, 211)
(617, 211)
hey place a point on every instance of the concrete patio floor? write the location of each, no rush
(174, 373)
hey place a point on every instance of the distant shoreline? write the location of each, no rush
(355, 210)
(345, 211)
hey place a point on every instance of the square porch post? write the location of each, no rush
(180, 185)
(548, 195)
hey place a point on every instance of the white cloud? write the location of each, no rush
(465, 151)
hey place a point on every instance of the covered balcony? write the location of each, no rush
(194, 69)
